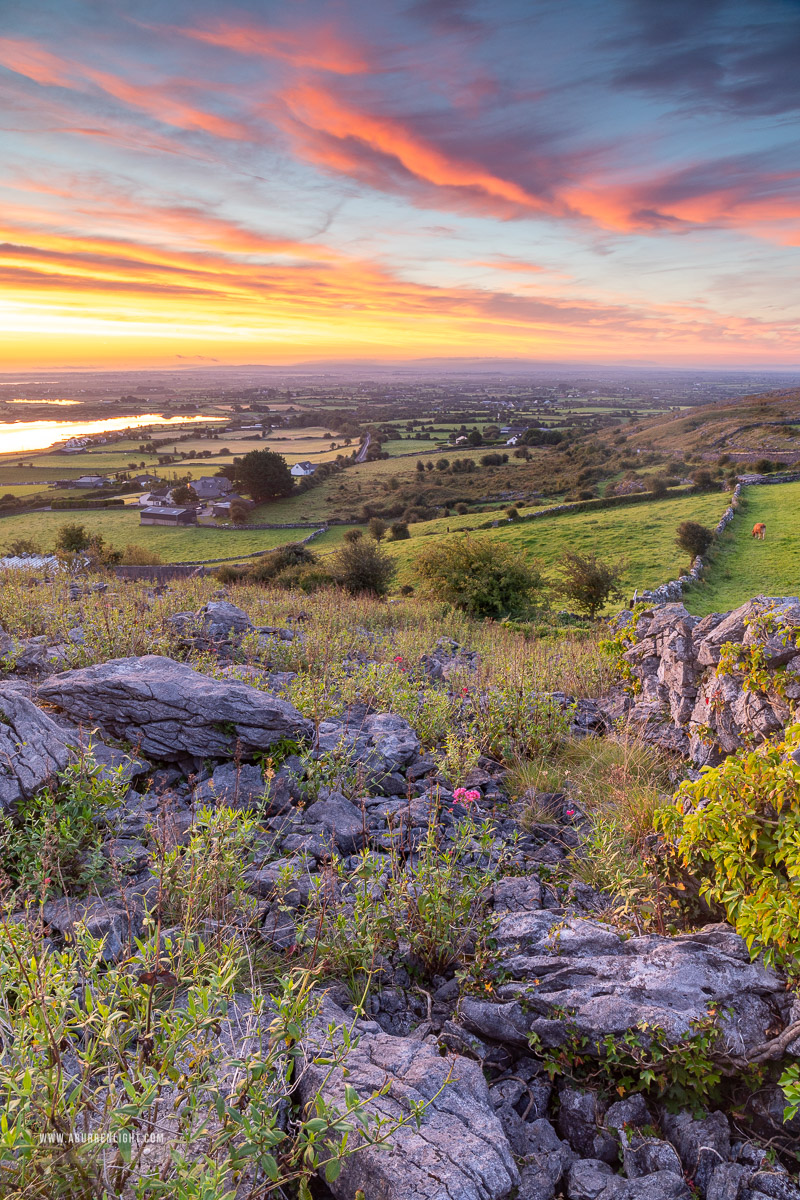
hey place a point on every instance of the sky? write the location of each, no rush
(186, 182)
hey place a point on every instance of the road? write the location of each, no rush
(362, 454)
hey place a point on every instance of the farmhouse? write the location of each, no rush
(211, 487)
(92, 481)
(303, 469)
(168, 516)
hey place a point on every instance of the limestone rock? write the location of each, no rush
(459, 1150)
(171, 711)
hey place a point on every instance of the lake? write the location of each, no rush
(18, 437)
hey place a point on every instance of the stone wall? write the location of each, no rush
(672, 591)
(690, 702)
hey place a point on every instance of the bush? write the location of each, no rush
(658, 486)
(268, 568)
(461, 508)
(704, 481)
(483, 578)
(588, 581)
(764, 466)
(139, 556)
(512, 514)
(71, 539)
(377, 528)
(741, 838)
(362, 566)
(694, 538)
(399, 531)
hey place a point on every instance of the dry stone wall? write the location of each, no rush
(709, 686)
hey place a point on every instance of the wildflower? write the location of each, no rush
(466, 796)
(398, 658)
(465, 691)
(570, 812)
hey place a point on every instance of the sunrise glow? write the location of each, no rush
(320, 181)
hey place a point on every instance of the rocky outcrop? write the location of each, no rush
(690, 700)
(171, 712)
(610, 984)
(34, 748)
(459, 1150)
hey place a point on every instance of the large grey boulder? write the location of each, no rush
(34, 748)
(610, 984)
(170, 711)
(459, 1151)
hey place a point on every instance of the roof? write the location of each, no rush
(16, 562)
(165, 511)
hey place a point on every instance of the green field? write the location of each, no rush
(743, 567)
(174, 545)
(643, 533)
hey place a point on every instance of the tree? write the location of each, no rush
(263, 474)
(475, 438)
(658, 486)
(377, 528)
(588, 581)
(694, 538)
(183, 494)
(71, 539)
(363, 566)
(483, 578)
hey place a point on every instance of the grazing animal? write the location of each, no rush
(759, 530)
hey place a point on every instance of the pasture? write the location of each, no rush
(742, 566)
(121, 528)
(643, 533)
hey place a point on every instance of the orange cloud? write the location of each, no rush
(28, 58)
(315, 111)
(318, 48)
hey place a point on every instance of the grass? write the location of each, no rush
(742, 566)
(122, 527)
(644, 533)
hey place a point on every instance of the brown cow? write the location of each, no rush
(759, 530)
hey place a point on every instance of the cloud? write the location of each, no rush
(737, 57)
(317, 46)
(335, 134)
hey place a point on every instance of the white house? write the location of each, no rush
(303, 468)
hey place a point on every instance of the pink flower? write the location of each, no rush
(570, 812)
(398, 658)
(465, 691)
(464, 796)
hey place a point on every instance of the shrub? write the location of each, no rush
(764, 466)
(741, 838)
(694, 538)
(135, 556)
(704, 481)
(512, 514)
(483, 578)
(658, 486)
(363, 566)
(399, 531)
(588, 581)
(461, 508)
(377, 528)
(71, 539)
(353, 535)
(107, 1051)
(268, 568)
(23, 546)
(239, 513)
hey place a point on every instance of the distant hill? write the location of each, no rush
(766, 425)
